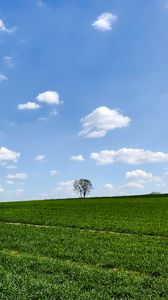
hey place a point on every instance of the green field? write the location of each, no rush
(97, 248)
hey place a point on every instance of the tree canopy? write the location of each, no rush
(83, 187)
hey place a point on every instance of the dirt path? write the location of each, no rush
(85, 230)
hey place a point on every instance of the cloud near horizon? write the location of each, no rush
(133, 185)
(64, 188)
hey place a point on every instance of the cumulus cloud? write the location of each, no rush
(134, 185)
(40, 157)
(77, 157)
(8, 60)
(43, 119)
(102, 120)
(162, 185)
(6, 154)
(142, 176)
(43, 196)
(64, 189)
(19, 191)
(165, 173)
(54, 173)
(49, 97)
(3, 77)
(28, 106)
(139, 174)
(3, 28)
(21, 176)
(65, 184)
(1, 189)
(128, 155)
(53, 112)
(9, 167)
(107, 187)
(10, 182)
(105, 22)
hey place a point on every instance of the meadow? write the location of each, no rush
(95, 248)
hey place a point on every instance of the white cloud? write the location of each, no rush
(128, 155)
(77, 157)
(8, 60)
(54, 173)
(102, 120)
(165, 173)
(64, 189)
(142, 175)
(105, 21)
(40, 157)
(107, 187)
(43, 119)
(3, 77)
(1, 189)
(44, 195)
(53, 112)
(19, 191)
(133, 185)
(6, 154)
(162, 185)
(10, 182)
(50, 97)
(28, 106)
(20, 176)
(11, 167)
(3, 28)
(65, 185)
(138, 174)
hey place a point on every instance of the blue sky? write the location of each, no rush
(83, 94)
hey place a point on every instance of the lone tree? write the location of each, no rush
(83, 187)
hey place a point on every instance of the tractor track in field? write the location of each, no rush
(85, 230)
(77, 263)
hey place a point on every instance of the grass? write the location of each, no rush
(100, 248)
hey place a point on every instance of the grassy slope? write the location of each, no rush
(102, 248)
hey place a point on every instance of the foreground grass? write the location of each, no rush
(85, 249)
(31, 277)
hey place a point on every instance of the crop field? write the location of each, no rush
(97, 248)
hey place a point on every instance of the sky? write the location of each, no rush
(83, 94)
